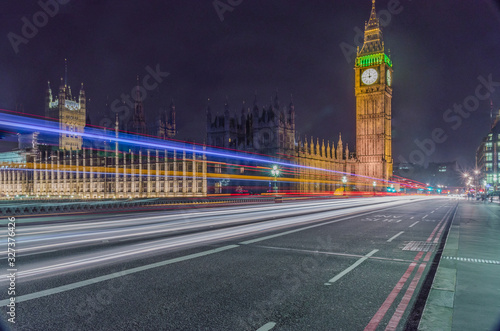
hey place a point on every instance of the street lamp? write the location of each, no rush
(344, 180)
(275, 172)
(374, 185)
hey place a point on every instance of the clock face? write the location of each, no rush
(369, 76)
(389, 78)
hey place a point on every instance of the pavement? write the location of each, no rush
(465, 293)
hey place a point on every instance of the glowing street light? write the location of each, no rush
(344, 180)
(374, 185)
(275, 171)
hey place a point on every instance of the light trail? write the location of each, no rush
(31, 124)
(162, 233)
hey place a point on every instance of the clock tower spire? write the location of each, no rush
(373, 90)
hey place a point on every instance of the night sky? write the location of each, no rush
(439, 48)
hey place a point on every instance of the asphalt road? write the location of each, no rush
(323, 265)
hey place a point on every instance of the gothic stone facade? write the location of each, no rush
(271, 130)
(93, 174)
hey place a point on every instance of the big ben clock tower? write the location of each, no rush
(373, 89)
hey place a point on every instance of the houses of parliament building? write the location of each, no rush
(73, 167)
(271, 130)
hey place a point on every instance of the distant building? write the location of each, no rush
(488, 157)
(164, 127)
(435, 174)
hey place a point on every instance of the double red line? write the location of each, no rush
(401, 308)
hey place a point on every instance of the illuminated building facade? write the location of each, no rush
(72, 167)
(271, 130)
(488, 158)
(373, 90)
(95, 173)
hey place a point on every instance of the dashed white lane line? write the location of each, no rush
(425, 216)
(267, 326)
(414, 224)
(395, 236)
(412, 217)
(432, 212)
(352, 267)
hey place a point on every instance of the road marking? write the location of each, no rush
(439, 233)
(309, 227)
(412, 217)
(425, 216)
(352, 267)
(379, 315)
(393, 323)
(267, 326)
(427, 256)
(91, 281)
(395, 236)
(99, 279)
(331, 253)
(414, 224)
(432, 212)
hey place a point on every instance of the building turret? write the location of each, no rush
(340, 148)
(291, 112)
(138, 120)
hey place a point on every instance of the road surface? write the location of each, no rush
(354, 264)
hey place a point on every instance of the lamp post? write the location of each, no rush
(476, 179)
(374, 185)
(344, 180)
(275, 172)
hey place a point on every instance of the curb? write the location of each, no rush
(438, 310)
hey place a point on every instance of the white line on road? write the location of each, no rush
(394, 237)
(414, 224)
(412, 217)
(95, 280)
(432, 212)
(267, 326)
(425, 216)
(346, 271)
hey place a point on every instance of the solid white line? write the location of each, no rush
(267, 326)
(346, 271)
(95, 280)
(414, 224)
(394, 237)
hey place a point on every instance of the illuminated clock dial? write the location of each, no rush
(389, 78)
(369, 76)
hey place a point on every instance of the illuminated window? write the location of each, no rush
(488, 166)
(489, 156)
